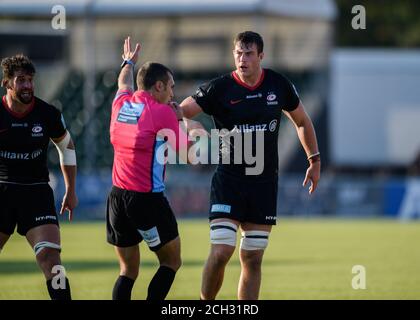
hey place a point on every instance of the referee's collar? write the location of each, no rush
(143, 94)
(140, 95)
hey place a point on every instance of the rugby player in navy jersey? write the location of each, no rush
(249, 100)
(27, 124)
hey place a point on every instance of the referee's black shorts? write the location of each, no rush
(133, 216)
(243, 200)
(27, 206)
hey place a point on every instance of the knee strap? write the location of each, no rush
(254, 240)
(45, 244)
(223, 233)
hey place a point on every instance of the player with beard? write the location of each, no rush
(27, 124)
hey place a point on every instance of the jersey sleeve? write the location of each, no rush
(292, 97)
(120, 97)
(167, 125)
(57, 125)
(206, 97)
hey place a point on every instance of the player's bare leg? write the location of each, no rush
(251, 261)
(170, 254)
(250, 280)
(129, 259)
(45, 240)
(47, 257)
(214, 268)
(170, 261)
(3, 239)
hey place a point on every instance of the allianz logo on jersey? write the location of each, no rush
(257, 127)
(20, 155)
(37, 131)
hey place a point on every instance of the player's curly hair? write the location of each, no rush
(248, 38)
(15, 63)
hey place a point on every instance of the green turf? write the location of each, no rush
(306, 259)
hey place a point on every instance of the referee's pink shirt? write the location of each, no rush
(136, 120)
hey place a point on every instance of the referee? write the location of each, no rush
(249, 101)
(137, 208)
(26, 200)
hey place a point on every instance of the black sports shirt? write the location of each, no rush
(245, 110)
(24, 141)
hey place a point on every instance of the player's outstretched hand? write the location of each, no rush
(70, 202)
(313, 174)
(128, 54)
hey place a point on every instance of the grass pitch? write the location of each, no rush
(305, 259)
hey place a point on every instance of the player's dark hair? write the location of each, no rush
(150, 73)
(248, 38)
(16, 63)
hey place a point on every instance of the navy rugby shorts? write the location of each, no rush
(26, 206)
(243, 200)
(136, 216)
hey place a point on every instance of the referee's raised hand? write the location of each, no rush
(128, 54)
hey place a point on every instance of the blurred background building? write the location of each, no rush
(358, 85)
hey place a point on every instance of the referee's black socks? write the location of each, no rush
(122, 288)
(160, 284)
(59, 291)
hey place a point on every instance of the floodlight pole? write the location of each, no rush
(90, 150)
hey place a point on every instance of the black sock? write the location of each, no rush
(59, 293)
(122, 288)
(160, 284)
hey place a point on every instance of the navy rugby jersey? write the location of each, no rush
(24, 141)
(244, 110)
